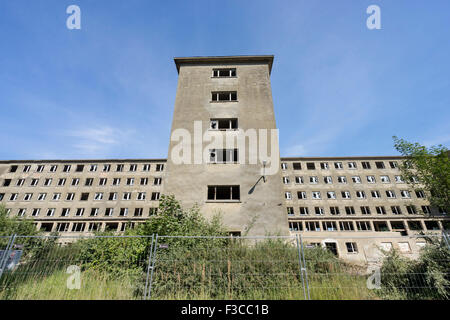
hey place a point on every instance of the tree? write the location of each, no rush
(428, 168)
(15, 225)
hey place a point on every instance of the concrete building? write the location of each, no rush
(215, 161)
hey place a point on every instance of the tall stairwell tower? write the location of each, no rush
(227, 99)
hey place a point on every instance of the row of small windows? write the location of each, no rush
(390, 194)
(91, 168)
(343, 179)
(364, 210)
(377, 226)
(83, 196)
(86, 227)
(76, 181)
(340, 165)
(79, 212)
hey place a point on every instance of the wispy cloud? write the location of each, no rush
(98, 141)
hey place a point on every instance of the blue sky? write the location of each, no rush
(108, 90)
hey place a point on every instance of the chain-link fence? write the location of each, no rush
(196, 267)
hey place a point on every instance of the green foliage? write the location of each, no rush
(431, 166)
(15, 225)
(425, 278)
(173, 220)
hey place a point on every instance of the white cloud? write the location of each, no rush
(98, 141)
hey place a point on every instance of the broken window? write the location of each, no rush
(345, 194)
(141, 195)
(62, 227)
(50, 212)
(286, 180)
(112, 196)
(365, 164)
(338, 165)
(79, 168)
(363, 225)
(313, 180)
(119, 168)
(111, 226)
(380, 226)
(432, 225)
(310, 166)
(21, 212)
(393, 164)
(298, 180)
(380, 210)
(126, 196)
(94, 212)
(284, 166)
(223, 155)
(331, 195)
(324, 166)
(375, 194)
(84, 196)
(138, 212)
(328, 180)
(123, 212)
(133, 167)
(75, 181)
(356, 179)
(396, 210)
(297, 166)
(94, 226)
(329, 226)
(224, 96)
(316, 195)
(352, 165)
(223, 193)
(89, 182)
(155, 196)
(379, 164)
(351, 247)
(224, 73)
(405, 194)
(109, 212)
(61, 182)
(334, 211)
(67, 168)
(116, 182)
(342, 179)
(411, 209)
(98, 196)
(152, 211)
(415, 225)
(13, 168)
(78, 227)
(290, 211)
(56, 196)
(426, 209)
(35, 212)
(224, 124)
(350, 210)
(159, 167)
(365, 210)
(385, 179)
(301, 194)
(65, 212)
(390, 194)
(360, 194)
(69, 197)
(295, 226)
(130, 181)
(312, 226)
(27, 196)
(47, 227)
(304, 210)
(319, 211)
(40, 168)
(79, 212)
(106, 167)
(13, 196)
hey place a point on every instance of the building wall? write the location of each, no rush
(76, 203)
(260, 204)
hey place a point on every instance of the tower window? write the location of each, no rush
(216, 193)
(227, 73)
(224, 124)
(224, 96)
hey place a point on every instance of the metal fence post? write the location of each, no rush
(305, 270)
(150, 253)
(446, 238)
(153, 260)
(301, 266)
(6, 253)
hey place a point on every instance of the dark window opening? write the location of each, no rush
(224, 96)
(310, 166)
(79, 168)
(297, 166)
(223, 193)
(84, 196)
(432, 225)
(414, 225)
(7, 182)
(111, 226)
(332, 247)
(380, 226)
(13, 169)
(47, 227)
(227, 72)
(379, 164)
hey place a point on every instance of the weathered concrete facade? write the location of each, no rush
(327, 198)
